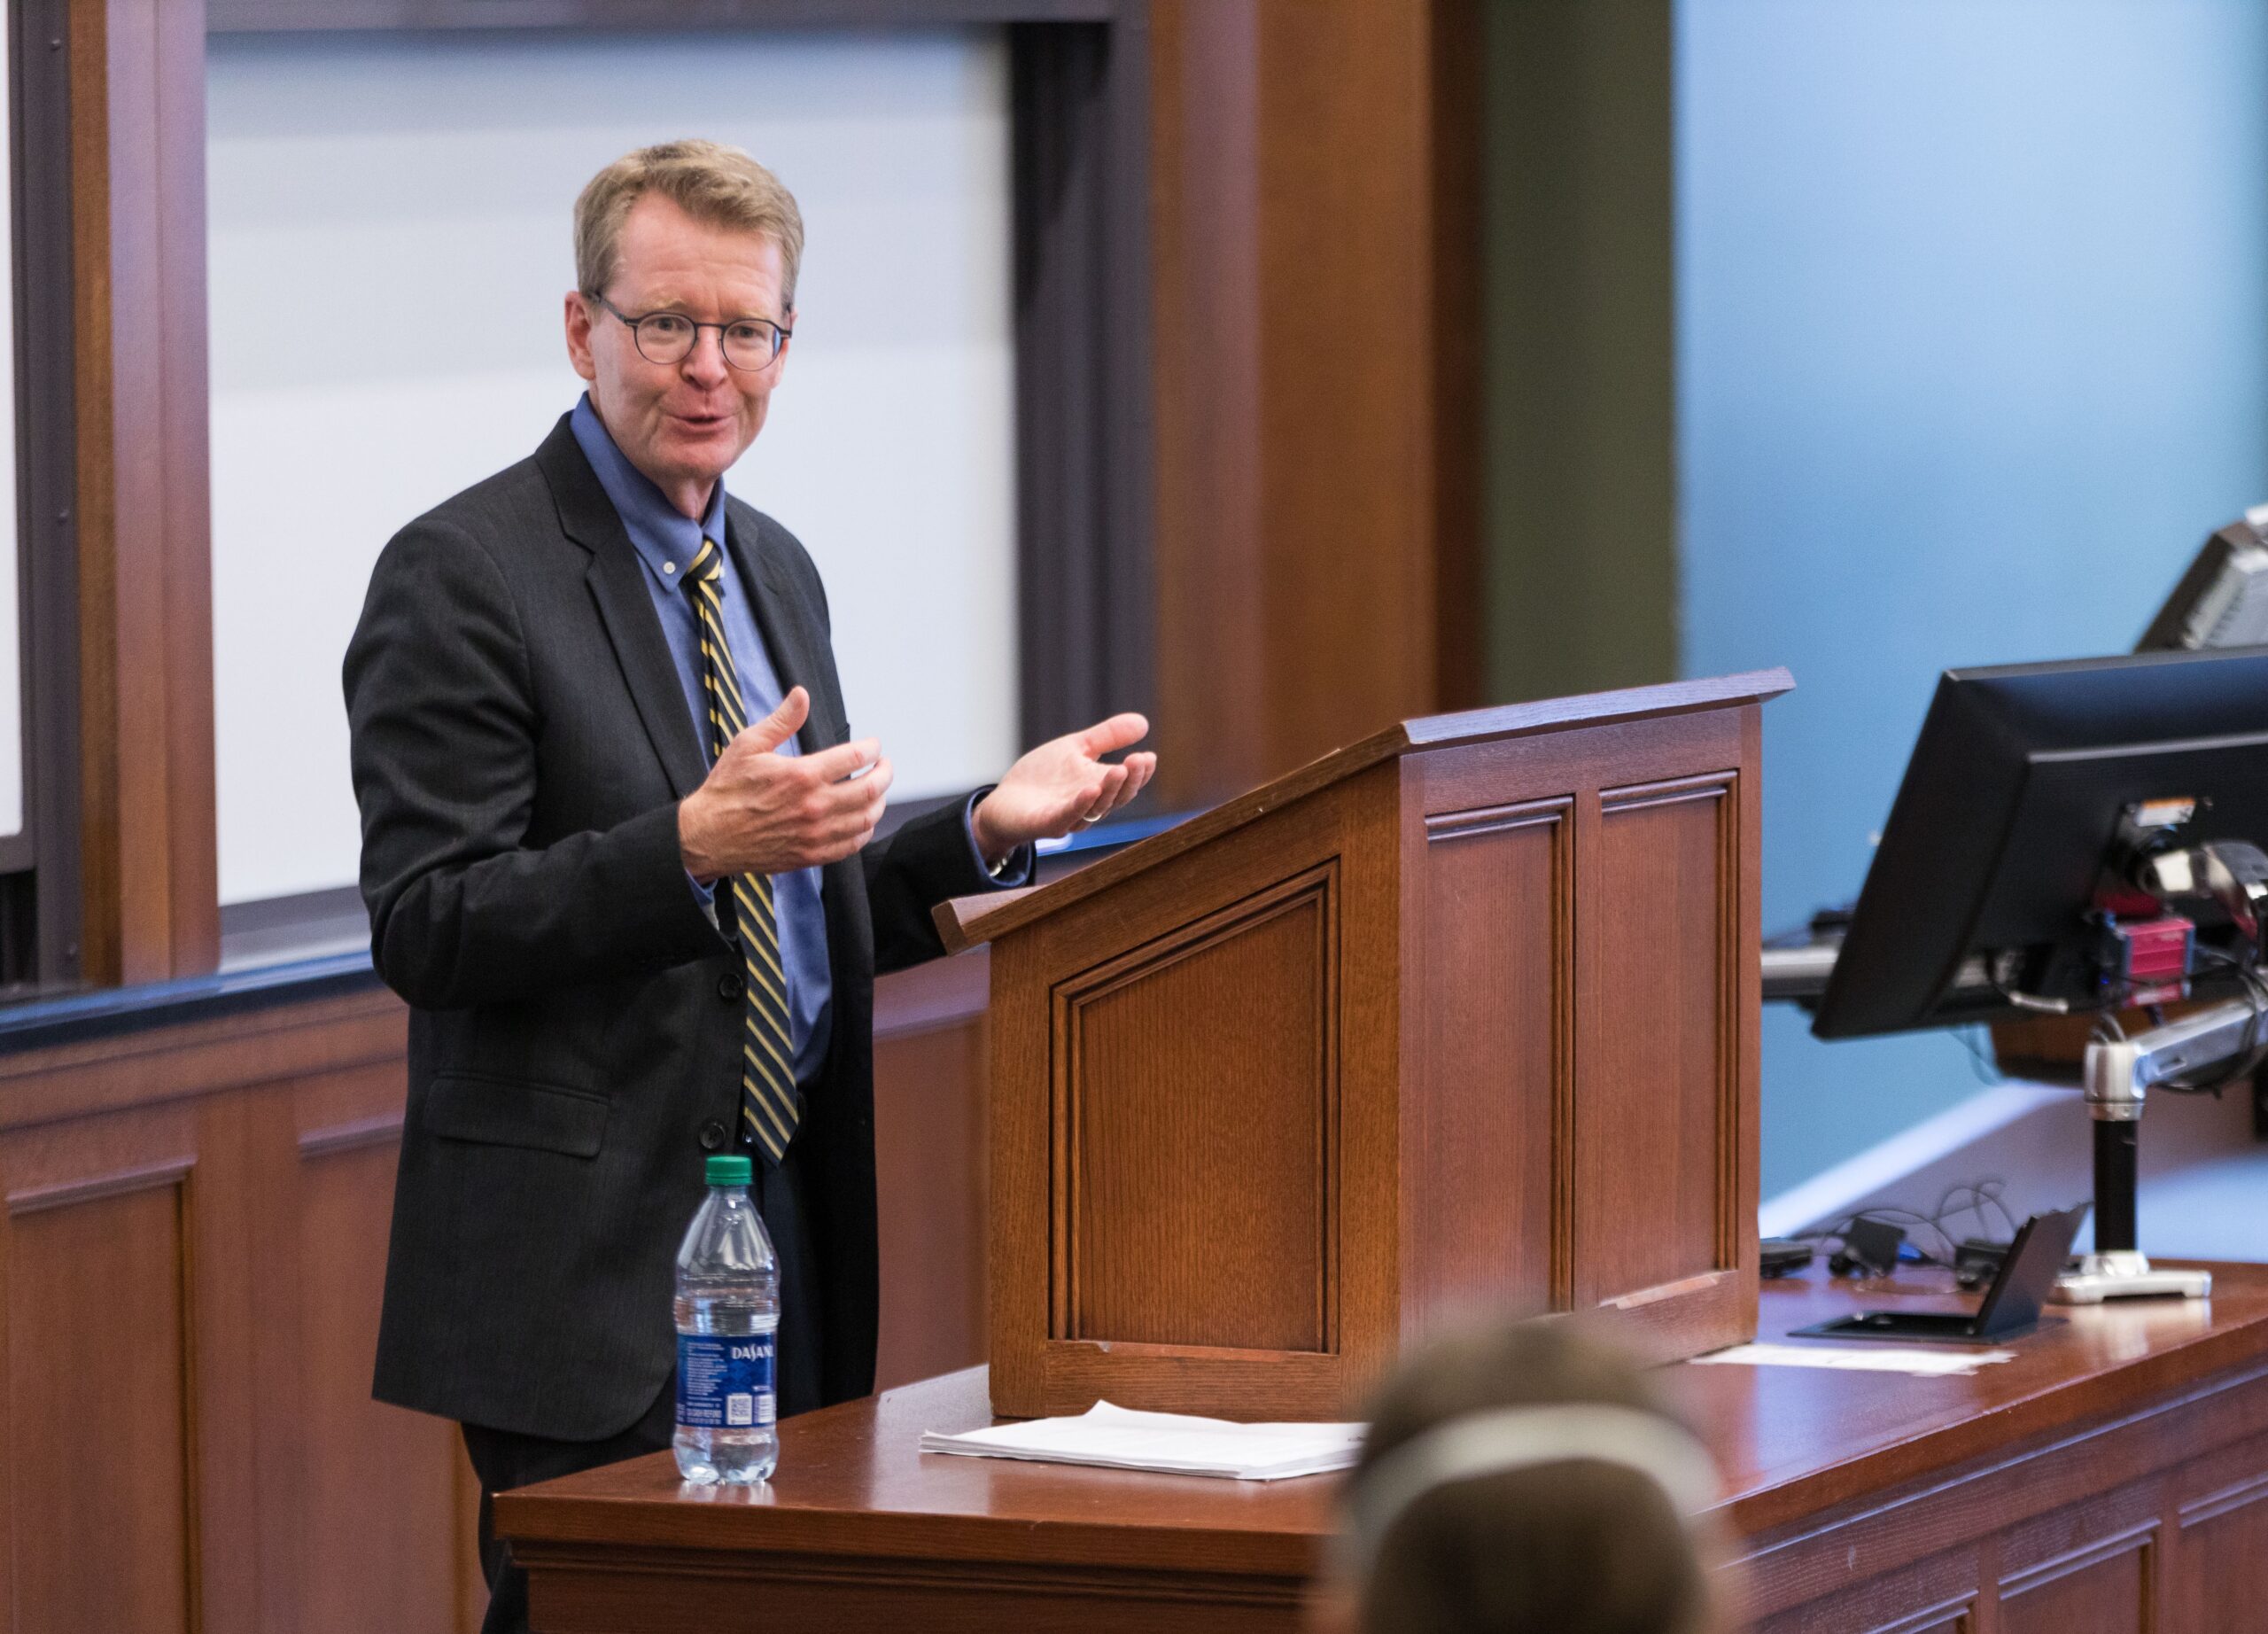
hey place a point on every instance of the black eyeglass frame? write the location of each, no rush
(781, 335)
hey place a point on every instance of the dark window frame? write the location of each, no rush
(40, 867)
(1084, 458)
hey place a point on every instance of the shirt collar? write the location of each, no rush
(664, 537)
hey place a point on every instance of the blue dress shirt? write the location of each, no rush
(667, 540)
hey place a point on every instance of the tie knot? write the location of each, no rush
(707, 566)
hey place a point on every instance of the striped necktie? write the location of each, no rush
(768, 1104)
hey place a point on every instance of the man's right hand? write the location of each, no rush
(760, 812)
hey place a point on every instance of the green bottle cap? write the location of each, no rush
(730, 1169)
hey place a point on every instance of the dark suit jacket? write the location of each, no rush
(520, 746)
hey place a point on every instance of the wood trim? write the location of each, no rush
(1442, 826)
(2142, 1539)
(113, 1183)
(150, 868)
(2225, 1500)
(262, 1046)
(297, 16)
(966, 921)
(378, 1129)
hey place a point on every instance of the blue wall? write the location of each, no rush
(1972, 352)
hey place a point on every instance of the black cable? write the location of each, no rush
(1986, 1068)
(1982, 1196)
(1905, 1218)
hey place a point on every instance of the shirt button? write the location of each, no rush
(729, 985)
(668, 567)
(712, 1135)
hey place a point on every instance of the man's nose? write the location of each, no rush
(705, 362)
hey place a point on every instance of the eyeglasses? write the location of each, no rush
(749, 343)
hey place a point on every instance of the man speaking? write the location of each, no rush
(619, 853)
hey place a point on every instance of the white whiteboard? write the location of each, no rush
(389, 243)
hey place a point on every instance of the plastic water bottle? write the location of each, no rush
(727, 1323)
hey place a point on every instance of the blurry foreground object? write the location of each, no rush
(1524, 1478)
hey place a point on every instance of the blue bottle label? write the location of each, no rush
(723, 1380)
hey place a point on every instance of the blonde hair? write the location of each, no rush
(1584, 1544)
(710, 182)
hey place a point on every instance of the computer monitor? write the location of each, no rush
(2009, 808)
(2222, 600)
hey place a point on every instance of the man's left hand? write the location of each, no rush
(1061, 785)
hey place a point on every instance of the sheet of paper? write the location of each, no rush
(1117, 1438)
(1930, 1360)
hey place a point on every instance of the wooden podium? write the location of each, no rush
(1465, 1015)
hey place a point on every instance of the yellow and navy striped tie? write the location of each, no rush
(767, 1078)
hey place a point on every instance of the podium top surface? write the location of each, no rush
(1789, 1443)
(968, 920)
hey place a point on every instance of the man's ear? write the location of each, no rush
(578, 335)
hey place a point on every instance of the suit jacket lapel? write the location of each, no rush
(790, 635)
(626, 607)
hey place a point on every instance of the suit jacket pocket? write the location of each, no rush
(494, 1111)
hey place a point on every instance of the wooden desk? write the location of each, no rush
(2111, 1477)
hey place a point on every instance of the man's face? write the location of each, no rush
(681, 423)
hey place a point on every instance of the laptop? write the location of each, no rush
(2011, 1305)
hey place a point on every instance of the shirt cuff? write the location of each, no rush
(1012, 874)
(706, 895)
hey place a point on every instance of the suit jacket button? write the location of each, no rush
(729, 985)
(712, 1135)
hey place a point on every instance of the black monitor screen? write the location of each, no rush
(2222, 600)
(2009, 808)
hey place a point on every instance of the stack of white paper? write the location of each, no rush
(1172, 1442)
(1934, 1360)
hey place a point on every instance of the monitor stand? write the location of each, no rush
(2117, 1269)
(2126, 1274)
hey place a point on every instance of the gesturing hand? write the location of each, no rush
(760, 812)
(1062, 784)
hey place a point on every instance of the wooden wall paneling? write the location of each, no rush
(1317, 423)
(139, 1068)
(2048, 1502)
(2218, 1531)
(1456, 308)
(1941, 1595)
(931, 1167)
(1653, 1076)
(191, 1247)
(1279, 938)
(1632, 1035)
(1498, 1012)
(149, 859)
(2097, 1567)
(384, 1525)
(1150, 1145)
(128, 1416)
(1212, 727)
